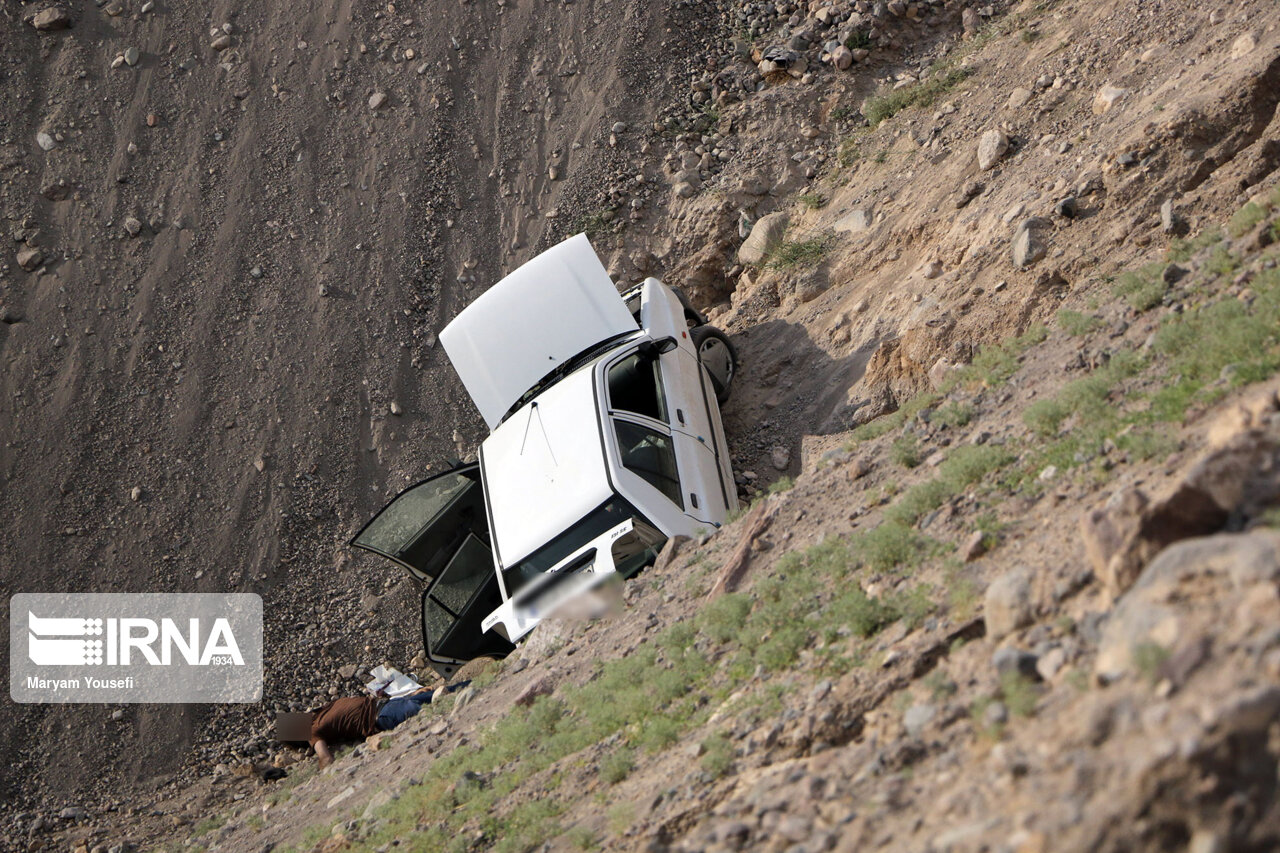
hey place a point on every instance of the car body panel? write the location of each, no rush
(544, 468)
(438, 530)
(537, 318)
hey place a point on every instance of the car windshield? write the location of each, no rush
(603, 518)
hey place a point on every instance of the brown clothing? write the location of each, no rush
(350, 718)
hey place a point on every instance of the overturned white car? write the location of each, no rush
(605, 440)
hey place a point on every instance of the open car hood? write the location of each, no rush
(554, 307)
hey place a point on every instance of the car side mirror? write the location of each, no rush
(653, 349)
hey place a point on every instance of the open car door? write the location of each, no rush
(439, 532)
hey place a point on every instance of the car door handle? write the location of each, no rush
(680, 415)
(693, 499)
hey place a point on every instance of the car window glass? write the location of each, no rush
(651, 455)
(635, 385)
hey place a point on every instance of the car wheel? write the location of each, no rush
(718, 356)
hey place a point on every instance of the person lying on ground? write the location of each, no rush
(358, 717)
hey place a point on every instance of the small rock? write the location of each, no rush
(1067, 208)
(395, 408)
(1007, 604)
(135, 494)
(974, 547)
(1169, 219)
(780, 457)
(1243, 46)
(1010, 662)
(540, 686)
(1050, 663)
(29, 258)
(73, 813)
(842, 58)
(1019, 97)
(132, 226)
(1028, 246)
(220, 42)
(45, 141)
(996, 714)
(50, 19)
(1106, 98)
(377, 99)
(131, 56)
(619, 127)
(917, 717)
(991, 148)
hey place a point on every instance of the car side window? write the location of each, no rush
(651, 455)
(635, 385)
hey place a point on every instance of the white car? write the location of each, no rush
(605, 439)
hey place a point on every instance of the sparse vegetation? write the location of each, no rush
(793, 253)
(1246, 219)
(813, 201)
(921, 94)
(717, 755)
(905, 451)
(859, 40)
(1075, 323)
(952, 415)
(781, 485)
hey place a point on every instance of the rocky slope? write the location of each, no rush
(1016, 243)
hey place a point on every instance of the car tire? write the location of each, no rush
(718, 356)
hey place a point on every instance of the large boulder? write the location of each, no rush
(1222, 587)
(765, 236)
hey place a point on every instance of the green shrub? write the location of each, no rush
(1075, 323)
(1142, 289)
(1246, 219)
(1045, 417)
(717, 756)
(952, 415)
(781, 485)
(616, 766)
(890, 545)
(905, 451)
(724, 617)
(922, 94)
(798, 253)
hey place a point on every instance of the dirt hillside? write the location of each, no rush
(1004, 282)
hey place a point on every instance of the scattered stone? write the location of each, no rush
(619, 127)
(1106, 98)
(853, 222)
(1009, 662)
(1243, 46)
(780, 457)
(395, 408)
(974, 547)
(1068, 208)
(50, 19)
(991, 147)
(765, 236)
(1050, 663)
(543, 685)
(131, 56)
(917, 718)
(30, 257)
(377, 100)
(1028, 244)
(1169, 219)
(73, 813)
(1007, 604)
(348, 670)
(1019, 97)
(135, 494)
(132, 226)
(45, 141)
(220, 42)
(842, 58)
